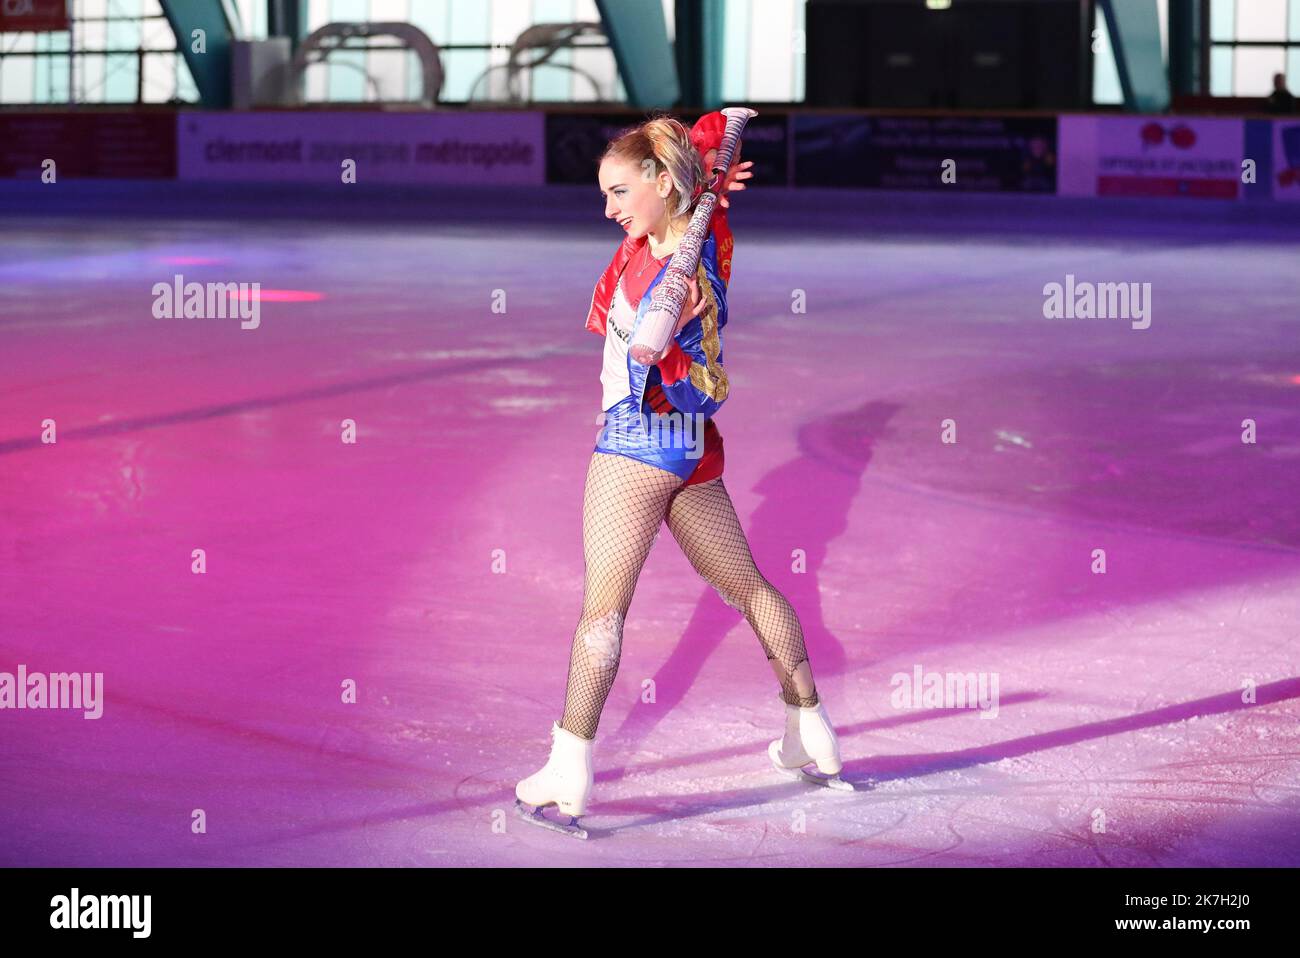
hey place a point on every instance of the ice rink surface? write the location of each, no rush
(1146, 716)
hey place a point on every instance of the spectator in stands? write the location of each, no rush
(1280, 100)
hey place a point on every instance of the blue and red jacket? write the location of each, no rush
(690, 377)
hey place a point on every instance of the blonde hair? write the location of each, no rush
(664, 142)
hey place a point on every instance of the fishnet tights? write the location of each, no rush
(623, 505)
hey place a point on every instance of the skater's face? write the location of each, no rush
(632, 199)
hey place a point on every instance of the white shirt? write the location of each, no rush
(618, 335)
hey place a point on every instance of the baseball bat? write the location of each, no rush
(672, 293)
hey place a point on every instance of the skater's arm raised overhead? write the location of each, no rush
(694, 379)
(706, 136)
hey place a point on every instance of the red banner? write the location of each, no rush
(33, 15)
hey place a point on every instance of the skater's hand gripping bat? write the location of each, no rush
(696, 305)
(739, 171)
(663, 318)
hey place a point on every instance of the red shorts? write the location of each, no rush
(710, 464)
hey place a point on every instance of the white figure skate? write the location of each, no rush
(809, 737)
(564, 781)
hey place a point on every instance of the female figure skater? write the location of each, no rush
(648, 466)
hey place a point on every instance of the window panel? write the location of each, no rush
(1223, 19)
(800, 52)
(763, 60)
(1105, 72)
(771, 50)
(17, 79)
(347, 76)
(40, 71)
(1253, 70)
(509, 18)
(24, 42)
(156, 35)
(462, 68)
(93, 35)
(317, 13)
(1221, 71)
(388, 68)
(255, 18)
(56, 79)
(348, 11)
(240, 14)
(434, 18)
(185, 88)
(549, 83)
(120, 74)
(414, 76)
(1162, 13)
(123, 34)
(552, 82)
(315, 83)
(735, 50)
(90, 82)
(390, 11)
(469, 23)
(159, 77)
(598, 63)
(95, 77)
(1261, 20)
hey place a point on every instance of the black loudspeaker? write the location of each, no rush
(976, 54)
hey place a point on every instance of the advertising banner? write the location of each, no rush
(18, 16)
(1174, 156)
(116, 145)
(1286, 160)
(320, 147)
(575, 141)
(975, 153)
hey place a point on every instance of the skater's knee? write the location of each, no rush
(736, 600)
(740, 590)
(739, 593)
(602, 638)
